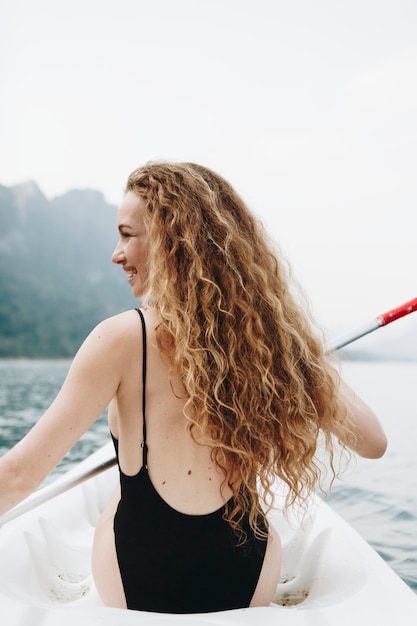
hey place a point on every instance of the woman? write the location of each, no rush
(216, 386)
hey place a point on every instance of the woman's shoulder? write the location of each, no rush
(117, 332)
(120, 323)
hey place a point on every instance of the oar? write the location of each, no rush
(98, 462)
(104, 458)
(374, 324)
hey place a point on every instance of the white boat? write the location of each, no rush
(330, 575)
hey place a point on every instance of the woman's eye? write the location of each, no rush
(125, 235)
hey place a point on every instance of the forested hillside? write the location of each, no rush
(57, 280)
(56, 276)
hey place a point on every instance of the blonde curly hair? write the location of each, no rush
(255, 375)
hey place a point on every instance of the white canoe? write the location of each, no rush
(330, 575)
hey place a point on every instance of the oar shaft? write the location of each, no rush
(380, 320)
(359, 332)
(98, 462)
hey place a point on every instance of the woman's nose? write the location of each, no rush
(118, 255)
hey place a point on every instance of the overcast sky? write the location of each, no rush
(308, 107)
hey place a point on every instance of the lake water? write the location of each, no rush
(378, 498)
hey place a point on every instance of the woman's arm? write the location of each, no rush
(368, 438)
(92, 381)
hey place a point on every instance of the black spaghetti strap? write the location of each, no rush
(144, 444)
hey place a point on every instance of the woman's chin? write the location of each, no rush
(139, 291)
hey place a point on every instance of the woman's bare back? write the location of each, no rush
(180, 467)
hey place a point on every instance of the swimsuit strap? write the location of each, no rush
(144, 445)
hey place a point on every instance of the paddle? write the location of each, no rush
(104, 458)
(381, 320)
(95, 464)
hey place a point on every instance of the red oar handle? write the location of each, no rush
(377, 322)
(395, 314)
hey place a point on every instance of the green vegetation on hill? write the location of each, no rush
(57, 280)
(56, 277)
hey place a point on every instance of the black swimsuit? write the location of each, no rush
(171, 562)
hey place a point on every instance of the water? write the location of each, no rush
(378, 498)
(27, 388)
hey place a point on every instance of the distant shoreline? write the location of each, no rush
(364, 357)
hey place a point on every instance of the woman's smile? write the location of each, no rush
(131, 251)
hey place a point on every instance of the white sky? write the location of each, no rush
(308, 107)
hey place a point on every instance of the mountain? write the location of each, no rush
(56, 277)
(57, 280)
